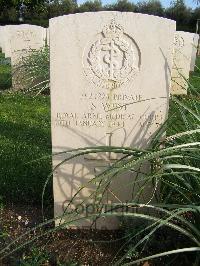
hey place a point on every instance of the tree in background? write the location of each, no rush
(90, 6)
(9, 9)
(40, 11)
(152, 7)
(180, 12)
(61, 7)
(122, 5)
(37, 11)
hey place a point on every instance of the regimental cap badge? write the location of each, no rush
(112, 58)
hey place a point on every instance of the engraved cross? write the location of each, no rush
(104, 161)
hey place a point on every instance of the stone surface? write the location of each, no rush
(2, 38)
(194, 51)
(110, 80)
(7, 44)
(47, 37)
(20, 40)
(183, 47)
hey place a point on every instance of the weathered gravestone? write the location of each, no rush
(7, 44)
(20, 40)
(194, 51)
(183, 47)
(47, 37)
(2, 38)
(100, 62)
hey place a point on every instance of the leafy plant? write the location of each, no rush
(34, 71)
(175, 171)
(35, 258)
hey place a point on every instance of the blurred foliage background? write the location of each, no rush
(40, 11)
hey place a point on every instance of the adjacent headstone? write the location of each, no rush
(2, 38)
(183, 47)
(110, 80)
(7, 44)
(194, 51)
(20, 40)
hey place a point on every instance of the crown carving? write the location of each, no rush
(113, 30)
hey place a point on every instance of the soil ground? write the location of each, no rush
(87, 247)
(73, 247)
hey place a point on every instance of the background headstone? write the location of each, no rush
(194, 51)
(1, 38)
(183, 47)
(24, 38)
(7, 44)
(110, 80)
(20, 41)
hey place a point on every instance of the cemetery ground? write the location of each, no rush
(25, 164)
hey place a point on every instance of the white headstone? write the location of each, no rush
(194, 51)
(2, 38)
(7, 44)
(21, 39)
(100, 62)
(183, 47)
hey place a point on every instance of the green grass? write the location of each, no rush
(5, 73)
(24, 137)
(195, 76)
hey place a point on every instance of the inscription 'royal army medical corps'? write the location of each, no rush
(110, 120)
